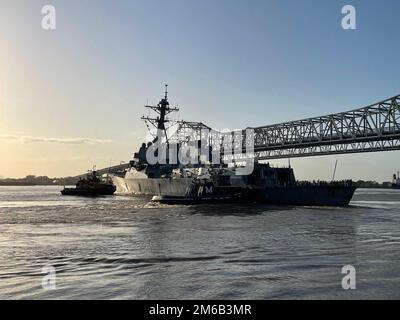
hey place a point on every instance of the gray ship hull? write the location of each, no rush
(153, 186)
(310, 195)
(330, 195)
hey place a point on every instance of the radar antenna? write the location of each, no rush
(162, 109)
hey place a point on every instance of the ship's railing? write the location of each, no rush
(341, 183)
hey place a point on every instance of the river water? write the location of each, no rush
(127, 248)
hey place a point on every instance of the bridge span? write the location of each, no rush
(370, 129)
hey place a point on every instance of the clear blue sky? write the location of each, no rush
(230, 64)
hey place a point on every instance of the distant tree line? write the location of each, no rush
(38, 181)
(46, 181)
(371, 184)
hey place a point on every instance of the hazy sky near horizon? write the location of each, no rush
(72, 97)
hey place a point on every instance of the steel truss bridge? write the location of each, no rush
(369, 129)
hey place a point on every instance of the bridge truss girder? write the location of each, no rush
(370, 129)
(344, 148)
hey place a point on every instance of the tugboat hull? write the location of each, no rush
(91, 186)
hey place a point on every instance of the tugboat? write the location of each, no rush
(91, 186)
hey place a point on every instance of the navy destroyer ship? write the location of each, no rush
(174, 182)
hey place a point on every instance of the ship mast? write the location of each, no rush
(162, 109)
